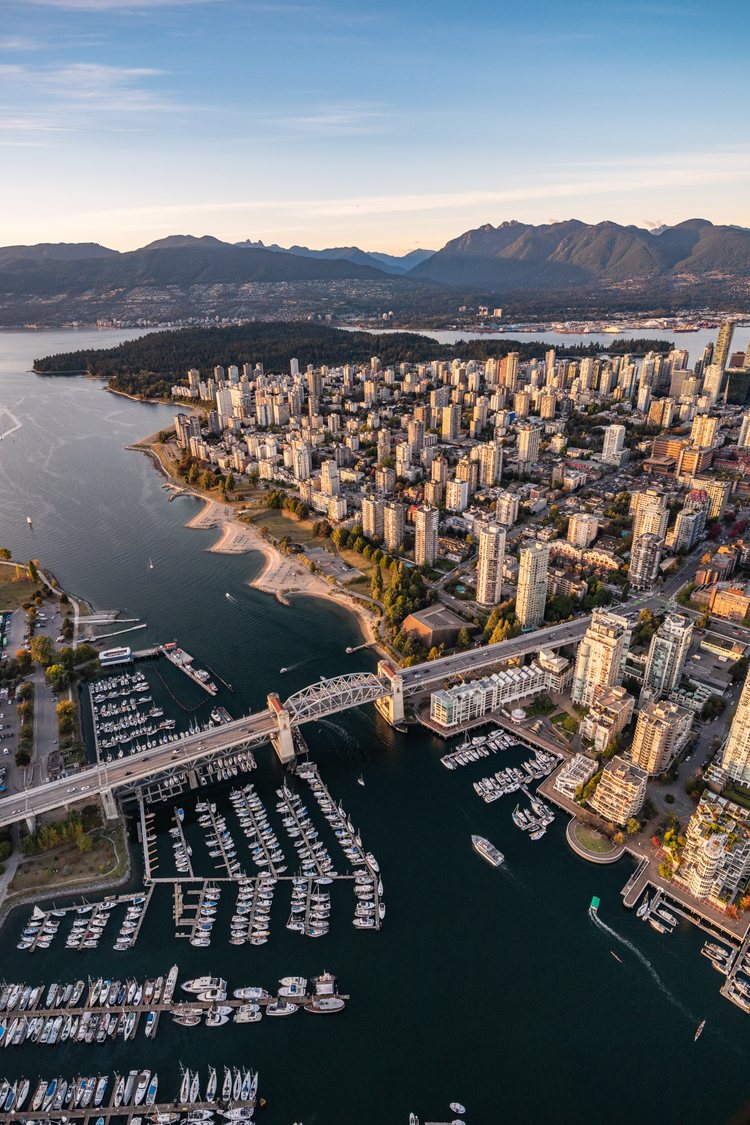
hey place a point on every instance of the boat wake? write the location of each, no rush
(643, 960)
(16, 424)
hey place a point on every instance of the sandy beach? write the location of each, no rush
(282, 576)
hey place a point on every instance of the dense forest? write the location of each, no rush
(149, 366)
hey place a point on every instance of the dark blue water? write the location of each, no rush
(492, 987)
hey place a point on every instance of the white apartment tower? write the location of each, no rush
(393, 526)
(426, 538)
(614, 444)
(528, 444)
(372, 518)
(667, 654)
(582, 529)
(736, 757)
(600, 656)
(490, 567)
(532, 585)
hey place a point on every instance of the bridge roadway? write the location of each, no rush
(189, 750)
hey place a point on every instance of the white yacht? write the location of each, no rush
(487, 850)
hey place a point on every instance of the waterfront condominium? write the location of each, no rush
(426, 538)
(490, 567)
(372, 517)
(715, 862)
(600, 655)
(532, 585)
(667, 654)
(621, 791)
(736, 757)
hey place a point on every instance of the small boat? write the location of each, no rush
(615, 956)
(456, 1107)
(28, 521)
(150, 564)
(360, 780)
(594, 905)
(699, 1031)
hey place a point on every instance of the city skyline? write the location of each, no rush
(208, 116)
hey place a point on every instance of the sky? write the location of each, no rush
(389, 125)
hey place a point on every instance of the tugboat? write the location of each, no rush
(594, 905)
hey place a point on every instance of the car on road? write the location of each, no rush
(84, 788)
(71, 789)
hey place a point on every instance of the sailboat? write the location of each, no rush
(28, 521)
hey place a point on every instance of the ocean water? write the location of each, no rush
(491, 987)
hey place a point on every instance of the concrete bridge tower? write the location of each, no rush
(391, 707)
(283, 740)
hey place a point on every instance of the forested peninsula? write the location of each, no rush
(149, 366)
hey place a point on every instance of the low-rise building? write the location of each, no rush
(576, 772)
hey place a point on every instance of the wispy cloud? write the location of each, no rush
(618, 178)
(79, 92)
(19, 43)
(342, 120)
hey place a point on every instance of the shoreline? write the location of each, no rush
(281, 576)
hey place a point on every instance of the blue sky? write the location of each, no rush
(388, 125)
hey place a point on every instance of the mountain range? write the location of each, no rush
(188, 276)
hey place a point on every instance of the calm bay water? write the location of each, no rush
(490, 987)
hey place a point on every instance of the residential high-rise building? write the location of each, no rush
(532, 585)
(736, 757)
(717, 491)
(582, 529)
(457, 495)
(662, 729)
(614, 444)
(723, 343)
(393, 526)
(450, 422)
(506, 509)
(715, 862)
(490, 463)
(703, 431)
(528, 444)
(650, 513)
(301, 460)
(490, 566)
(372, 517)
(600, 655)
(645, 557)
(426, 536)
(330, 482)
(667, 654)
(621, 791)
(743, 441)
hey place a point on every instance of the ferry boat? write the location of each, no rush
(487, 850)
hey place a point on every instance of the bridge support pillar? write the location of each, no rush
(192, 779)
(392, 706)
(283, 740)
(30, 821)
(109, 804)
